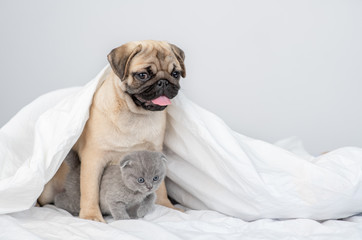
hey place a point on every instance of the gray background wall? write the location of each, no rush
(270, 69)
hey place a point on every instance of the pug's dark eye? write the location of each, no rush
(175, 74)
(142, 76)
(141, 180)
(155, 178)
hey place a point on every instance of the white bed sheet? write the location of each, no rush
(165, 224)
(210, 166)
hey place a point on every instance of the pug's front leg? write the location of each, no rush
(162, 198)
(91, 171)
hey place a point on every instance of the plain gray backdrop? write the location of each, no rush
(270, 69)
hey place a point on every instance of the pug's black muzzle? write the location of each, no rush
(162, 87)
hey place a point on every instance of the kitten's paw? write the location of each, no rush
(121, 218)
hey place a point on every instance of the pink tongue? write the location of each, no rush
(161, 101)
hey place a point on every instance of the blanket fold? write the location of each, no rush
(210, 165)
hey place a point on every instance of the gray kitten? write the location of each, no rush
(126, 191)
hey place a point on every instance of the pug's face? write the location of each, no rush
(149, 71)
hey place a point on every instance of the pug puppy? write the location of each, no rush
(127, 114)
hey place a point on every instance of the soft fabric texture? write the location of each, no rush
(50, 223)
(213, 167)
(209, 165)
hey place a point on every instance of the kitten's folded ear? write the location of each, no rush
(126, 162)
(163, 158)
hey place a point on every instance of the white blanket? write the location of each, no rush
(210, 167)
(50, 223)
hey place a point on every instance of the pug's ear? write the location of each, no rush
(180, 55)
(120, 58)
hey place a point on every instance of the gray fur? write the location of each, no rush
(121, 195)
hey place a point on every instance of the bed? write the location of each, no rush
(50, 222)
(230, 185)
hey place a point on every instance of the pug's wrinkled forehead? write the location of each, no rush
(147, 56)
(156, 59)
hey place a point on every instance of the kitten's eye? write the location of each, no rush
(175, 74)
(143, 76)
(141, 180)
(155, 179)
